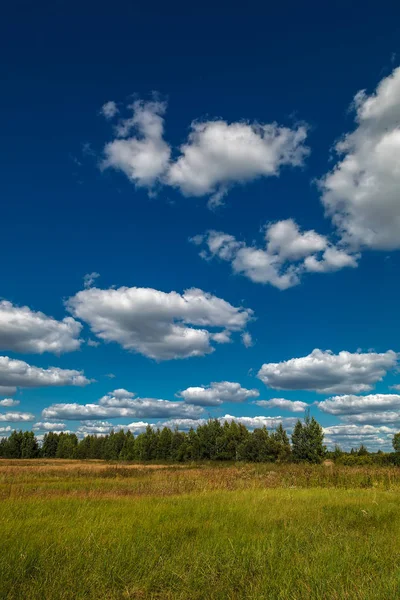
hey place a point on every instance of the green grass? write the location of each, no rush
(217, 541)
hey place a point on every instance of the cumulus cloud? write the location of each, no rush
(351, 404)
(261, 421)
(361, 192)
(109, 110)
(121, 403)
(48, 426)
(325, 372)
(157, 324)
(373, 418)
(353, 435)
(4, 430)
(215, 156)
(23, 330)
(144, 156)
(282, 403)
(288, 254)
(95, 428)
(218, 155)
(17, 373)
(14, 417)
(217, 393)
(8, 402)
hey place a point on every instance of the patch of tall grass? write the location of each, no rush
(100, 531)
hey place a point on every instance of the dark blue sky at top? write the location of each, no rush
(61, 217)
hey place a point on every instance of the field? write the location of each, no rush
(91, 530)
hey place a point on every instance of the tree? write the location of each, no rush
(396, 442)
(67, 445)
(29, 445)
(307, 440)
(50, 445)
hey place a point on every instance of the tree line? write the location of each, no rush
(229, 441)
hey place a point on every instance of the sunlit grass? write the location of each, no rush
(91, 530)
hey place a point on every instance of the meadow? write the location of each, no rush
(95, 530)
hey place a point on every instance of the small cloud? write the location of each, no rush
(109, 110)
(111, 375)
(93, 343)
(247, 340)
(90, 278)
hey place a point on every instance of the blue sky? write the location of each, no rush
(169, 151)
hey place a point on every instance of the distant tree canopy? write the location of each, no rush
(216, 441)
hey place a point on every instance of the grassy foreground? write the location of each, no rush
(74, 530)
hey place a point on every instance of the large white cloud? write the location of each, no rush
(144, 156)
(362, 192)
(23, 330)
(351, 404)
(217, 393)
(157, 324)
(122, 403)
(284, 404)
(215, 156)
(326, 372)
(287, 255)
(17, 373)
(218, 154)
(14, 417)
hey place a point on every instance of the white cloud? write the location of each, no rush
(90, 278)
(373, 418)
(17, 373)
(288, 254)
(217, 393)
(282, 403)
(95, 428)
(353, 435)
(23, 330)
(249, 422)
(361, 193)
(218, 155)
(215, 156)
(14, 417)
(109, 110)
(121, 403)
(325, 372)
(157, 324)
(247, 340)
(182, 424)
(261, 421)
(350, 404)
(93, 343)
(8, 402)
(48, 426)
(143, 157)
(7, 429)
(395, 387)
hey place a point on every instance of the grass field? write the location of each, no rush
(75, 530)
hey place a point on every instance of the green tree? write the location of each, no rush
(67, 445)
(29, 445)
(307, 441)
(396, 442)
(50, 445)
